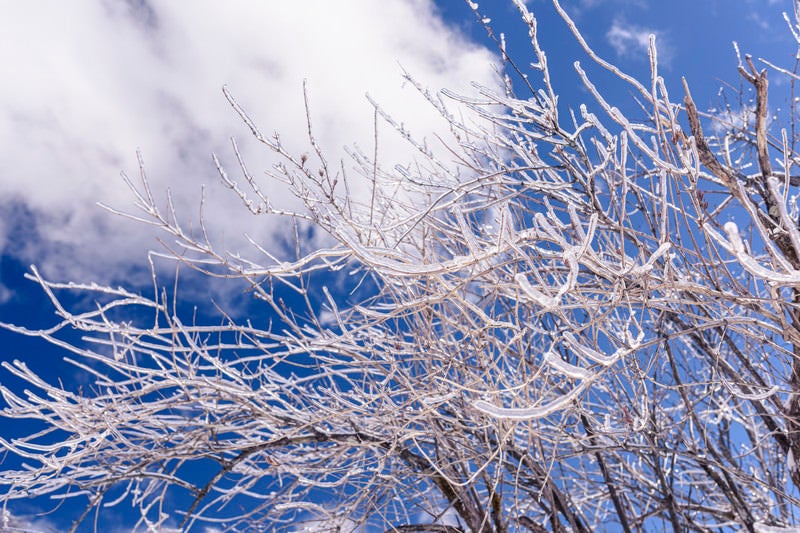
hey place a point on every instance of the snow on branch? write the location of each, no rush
(735, 246)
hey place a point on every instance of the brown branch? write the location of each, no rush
(759, 81)
(561, 502)
(452, 493)
(497, 512)
(727, 485)
(726, 175)
(772, 425)
(612, 489)
(424, 528)
(529, 524)
(792, 411)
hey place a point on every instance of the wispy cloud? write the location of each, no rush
(630, 41)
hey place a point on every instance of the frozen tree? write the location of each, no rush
(587, 322)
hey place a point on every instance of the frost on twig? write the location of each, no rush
(585, 375)
(736, 246)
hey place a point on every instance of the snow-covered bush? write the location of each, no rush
(586, 320)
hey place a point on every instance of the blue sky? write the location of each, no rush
(90, 82)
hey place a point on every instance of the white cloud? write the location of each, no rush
(631, 41)
(5, 294)
(729, 119)
(80, 97)
(11, 523)
(581, 9)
